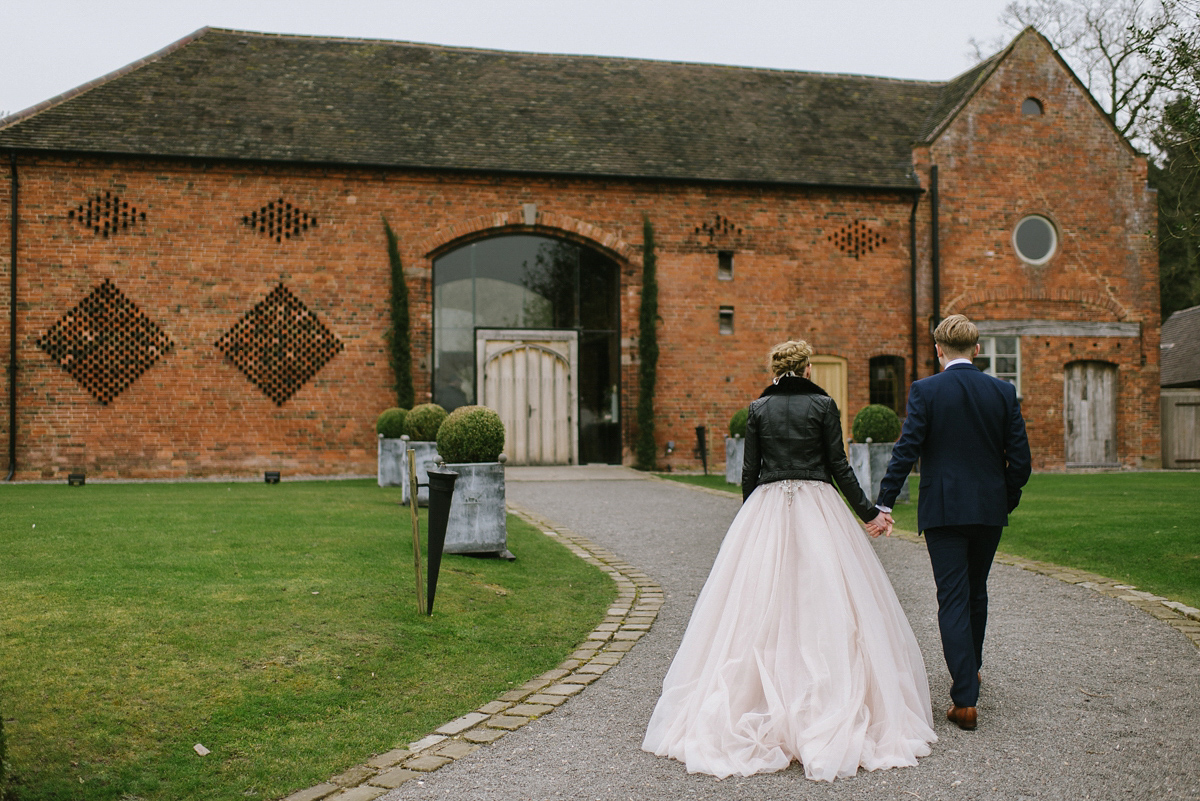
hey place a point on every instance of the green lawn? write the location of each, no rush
(275, 625)
(1141, 528)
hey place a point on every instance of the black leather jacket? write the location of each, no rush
(795, 431)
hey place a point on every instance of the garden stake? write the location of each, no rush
(411, 455)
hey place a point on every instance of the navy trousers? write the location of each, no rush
(962, 557)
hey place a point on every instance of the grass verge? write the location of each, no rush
(1140, 528)
(275, 625)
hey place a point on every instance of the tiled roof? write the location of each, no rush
(236, 95)
(1180, 360)
(955, 94)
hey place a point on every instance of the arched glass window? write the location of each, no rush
(1031, 107)
(523, 281)
(887, 382)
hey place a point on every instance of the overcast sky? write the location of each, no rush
(50, 46)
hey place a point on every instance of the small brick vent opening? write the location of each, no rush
(856, 239)
(105, 342)
(279, 220)
(279, 345)
(106, 214)
(720, 226)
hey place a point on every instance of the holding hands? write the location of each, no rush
(882, 524)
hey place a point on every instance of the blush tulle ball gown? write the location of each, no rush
(797, 649)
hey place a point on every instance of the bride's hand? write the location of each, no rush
(882, 524)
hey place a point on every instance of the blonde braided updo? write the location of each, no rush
(790, 356)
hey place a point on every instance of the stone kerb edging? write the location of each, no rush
(628, 619)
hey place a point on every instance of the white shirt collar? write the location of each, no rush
(950, 364)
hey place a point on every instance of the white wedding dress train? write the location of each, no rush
(797, 649)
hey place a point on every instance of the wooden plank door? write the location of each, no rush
(829, 373)
(1181, 428)
(1090, 413)
(528, 377)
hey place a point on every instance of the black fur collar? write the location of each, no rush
(793, 385)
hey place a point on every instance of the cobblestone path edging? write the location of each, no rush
(628, 619)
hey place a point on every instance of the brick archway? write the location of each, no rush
(982, 296)
(546, 223)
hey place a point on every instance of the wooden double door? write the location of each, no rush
(530, 379)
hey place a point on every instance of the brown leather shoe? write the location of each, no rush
(962, 716)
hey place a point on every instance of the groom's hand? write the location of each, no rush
(879, 525)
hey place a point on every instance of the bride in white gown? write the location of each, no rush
(797, 648)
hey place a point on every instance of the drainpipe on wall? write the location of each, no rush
(12, 322)
(933, 204)
(912, 285)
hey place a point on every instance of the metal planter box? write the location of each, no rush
(869, 461)
(478, 521)
(426, 453)
(391, 462)
(735, 449)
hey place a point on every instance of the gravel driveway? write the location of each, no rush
(1084, 696)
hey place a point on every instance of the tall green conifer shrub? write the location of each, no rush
(646, 450)
(397, 337)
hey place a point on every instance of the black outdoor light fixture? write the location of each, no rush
(271, 476)
(76, 479)
(702, 447)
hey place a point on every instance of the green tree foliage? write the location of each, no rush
(390, 423)
(1178, 185)
(398, 340)
(471, 434)
(1177, 140)
(647, 450)
(737, 423)
(876, 422)
(422, 423)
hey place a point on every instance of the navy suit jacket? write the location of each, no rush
(967, 429)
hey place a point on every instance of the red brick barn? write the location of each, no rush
(201, 277)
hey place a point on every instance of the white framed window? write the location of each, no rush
(1001, 357)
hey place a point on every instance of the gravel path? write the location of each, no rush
(1084, 696)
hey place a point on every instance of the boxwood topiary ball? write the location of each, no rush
(876, 421)
(423, 421)
(390, 423)
(737, 423)
(471, 434)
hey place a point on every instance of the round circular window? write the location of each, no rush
(1035, 239)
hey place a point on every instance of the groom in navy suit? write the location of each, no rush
(967, 429)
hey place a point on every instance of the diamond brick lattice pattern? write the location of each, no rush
(105, 342)
(279, 220)
(106, 214)
(856, 239)
(279, 344)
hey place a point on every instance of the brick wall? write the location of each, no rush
(996, 166)
(194, 268)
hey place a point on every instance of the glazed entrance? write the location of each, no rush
(525, 283)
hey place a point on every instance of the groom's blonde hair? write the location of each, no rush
(956, 334)
(792, 355)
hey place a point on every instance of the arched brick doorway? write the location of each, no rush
(525, 287)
